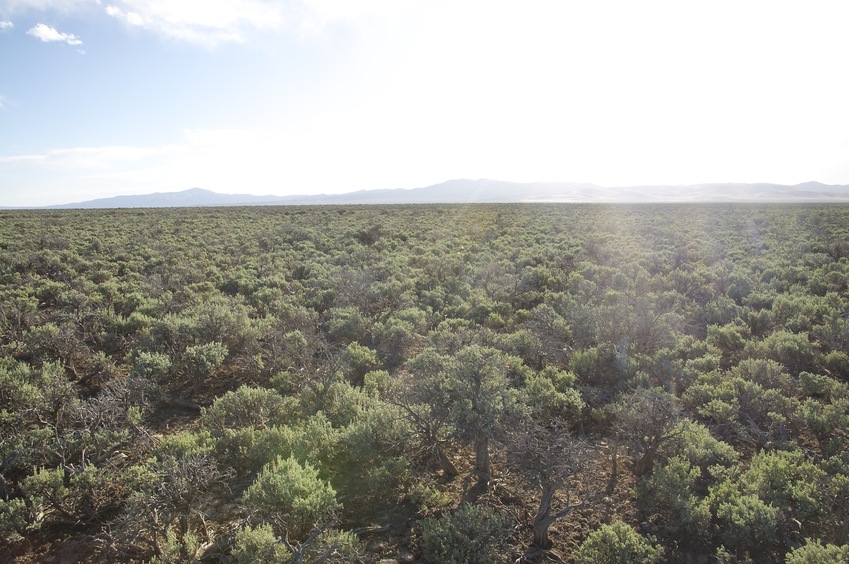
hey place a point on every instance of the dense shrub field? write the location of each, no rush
(591, 383)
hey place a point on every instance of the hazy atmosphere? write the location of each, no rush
(100, 99)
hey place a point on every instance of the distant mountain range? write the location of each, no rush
(493, 191)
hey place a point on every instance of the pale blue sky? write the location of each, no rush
(101, 98)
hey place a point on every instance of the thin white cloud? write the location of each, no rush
(213, 22)
(18, 159)
(18, 6)
(50, 35)
(88, 158)
(131, 18)
(206, 22)
(4, 25)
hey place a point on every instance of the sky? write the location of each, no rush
(101, 98)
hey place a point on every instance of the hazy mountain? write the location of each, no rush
(195, 197)
(475, 191)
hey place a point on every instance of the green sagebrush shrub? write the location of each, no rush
(817, 553)
(470, 535)
(151, 365)
(292, 495)
(259, 544)
(670, 493)
(15, 520)
(203, 360)
(294, 510)
(742, 520)
(617, 543)
(248, 406)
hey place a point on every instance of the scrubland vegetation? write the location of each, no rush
(426, 383)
